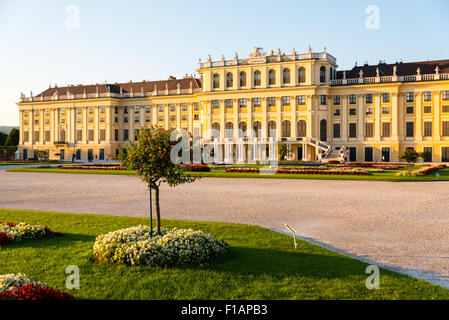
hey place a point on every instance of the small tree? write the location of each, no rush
(150, 157)
(282, 151)
(42, 155)
(411, 156)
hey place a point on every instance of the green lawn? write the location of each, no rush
(387, 175)
(261, 264)
(33, 163)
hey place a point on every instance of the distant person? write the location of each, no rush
(73, 157)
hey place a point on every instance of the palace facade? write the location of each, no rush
(300, 99)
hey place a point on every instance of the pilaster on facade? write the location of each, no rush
(344, 125)
(166, 115)
(108, 124)
(360, 120)
(249, 114)
(293, 117)
(131, 123)
(85, 125)
(401, 120)
(436, 115)
(395, 117)
(310, 115)
(377, 116)
(236, 118)
(418, 116)
(278, 117)
(97, 125)
(41, 126)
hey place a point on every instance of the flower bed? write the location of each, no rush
(11, 232)
(423, 171)
(93, 167)
(19, 287)
(135, 246)
(324, 171)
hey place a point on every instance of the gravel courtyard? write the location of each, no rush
(401, 225)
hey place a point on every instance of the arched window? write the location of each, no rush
(271, 77)
(302, 75)
(229, 130)
(286, 76)
(257, 78)
(323, 74)
(215, 130)
(229, 80)
(216, 80)
(271, 129)
(323, 130)
(257, 127)
(243, 79)
(301, 128)
(286, 129)
(242, 129)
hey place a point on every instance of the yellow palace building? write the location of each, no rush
(300, 99)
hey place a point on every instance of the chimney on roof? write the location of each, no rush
(382, 62)
(171, 78)
(366, 63)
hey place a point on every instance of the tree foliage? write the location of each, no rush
(150, 157)
(13, 138)
(282, 151)
(411, 156)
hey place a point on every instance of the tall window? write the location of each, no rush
(386, 129)
(445, 95)
(242, 129)
(256, 102)
(301, 75)
(323, 74)
(409, 97)
(271, 129)
(216, 130)
(286, 76)
(229, 80)
(257, 127)
(323, 100)
(229, 130)
(410, 129)
(271, 101)
(385, 97)
(369, 129)
(427, 96)
(352, 99)
(216, 81)
(428, 132)
(352, 130)
(336, 100)
(301, 100)
(242, 103)
(301, 128)
(271, 77)
(445, 128)
(336, 130)
(215, 104)
(90, 134)
(369, 98)
(243, 79)
(102, 134)
(183, 106)
(257, 78)
(286, 129)
(285, 101)
(228, 103)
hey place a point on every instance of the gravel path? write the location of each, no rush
(403, 226)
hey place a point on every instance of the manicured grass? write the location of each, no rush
(261, 264)
(33, 163)
(387, 175)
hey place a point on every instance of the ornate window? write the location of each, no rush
(216, 130)
(286, 76)
(257, 127)
(229, 130)
(286, 128)
(229, 80)
(301, 75)
(243, 79)
(257, 78)
(323, 74)
(301, 128)
(216, 81)
(271, 77)
(242, 129)
(271, 130)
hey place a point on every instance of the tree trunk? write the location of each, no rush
(158, 210)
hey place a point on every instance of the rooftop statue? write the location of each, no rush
(257, 52)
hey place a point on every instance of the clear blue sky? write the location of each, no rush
(135, 40)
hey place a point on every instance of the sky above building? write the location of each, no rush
(47, 42)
